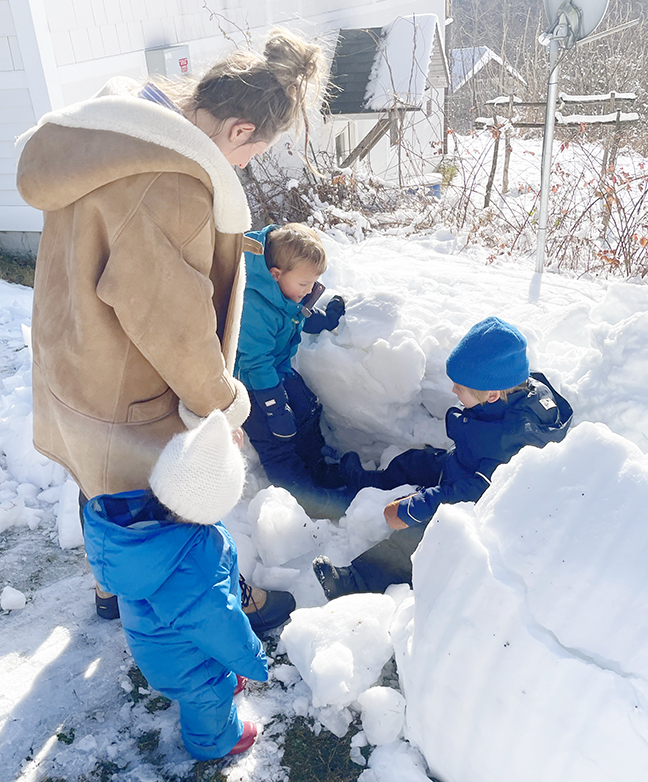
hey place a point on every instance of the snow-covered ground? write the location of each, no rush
(521, 652)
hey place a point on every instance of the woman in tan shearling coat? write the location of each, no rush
(139, 277)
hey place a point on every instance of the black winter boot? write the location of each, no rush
(335, 581)
(353, 473)
(106, 604)
(265, 609)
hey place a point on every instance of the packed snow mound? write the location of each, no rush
(340, 648)
(281, 530)
(517, 656)
(397, 762)
(68, 523)
(364, 521)
(383, 714)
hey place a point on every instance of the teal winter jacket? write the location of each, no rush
(271, 325)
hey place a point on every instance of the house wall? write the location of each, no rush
(57, 52)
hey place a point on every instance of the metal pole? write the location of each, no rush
(547, 147)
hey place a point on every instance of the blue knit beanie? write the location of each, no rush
(491, 357)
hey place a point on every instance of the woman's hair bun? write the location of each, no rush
(295, 62)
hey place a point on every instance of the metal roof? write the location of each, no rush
(356, 52)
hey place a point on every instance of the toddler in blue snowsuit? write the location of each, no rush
(503, 409)
(284, 425)
(174, 567)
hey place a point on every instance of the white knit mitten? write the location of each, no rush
(236, 414)
(200, 473)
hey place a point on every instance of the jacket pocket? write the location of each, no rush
(152, 409)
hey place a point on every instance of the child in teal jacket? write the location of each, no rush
(284, 425)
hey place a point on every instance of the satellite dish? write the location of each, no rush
(581, 17)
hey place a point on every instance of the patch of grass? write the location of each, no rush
(17, 269)
(103, 771)
(66, 737)
(159, 703)
(137, 680)
(323, 758)
(206, 771)
(148, 742)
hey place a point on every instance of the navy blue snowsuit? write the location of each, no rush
(178, 588)
(271, 327)
(484, 436)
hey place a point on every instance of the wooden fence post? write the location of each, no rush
(507, 147)
(491, 176)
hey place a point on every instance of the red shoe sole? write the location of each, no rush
(247, 739)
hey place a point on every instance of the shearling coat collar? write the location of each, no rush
(49, 180)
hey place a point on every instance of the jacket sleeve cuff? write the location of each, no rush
(419, 508)
(236, 414)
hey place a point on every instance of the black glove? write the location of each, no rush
(274, 403)
(327, 318)
(334, 311)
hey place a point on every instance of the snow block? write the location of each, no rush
(340, 648)
(525, 652)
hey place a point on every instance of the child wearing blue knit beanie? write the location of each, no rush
(504, 408)
(491, 357)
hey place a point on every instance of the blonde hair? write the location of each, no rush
(294, 244)
(269, 90)
(482, 396)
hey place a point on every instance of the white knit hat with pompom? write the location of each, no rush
(200, 473)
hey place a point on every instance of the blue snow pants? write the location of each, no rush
(297, 464)
(177, 668)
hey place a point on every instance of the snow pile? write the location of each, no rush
(398, 762)
(383, 714)
(340, 648)
(519, 657)
(610, 378)
(364, 521)
(281, 528)
(24, 463)
(68, 522)
(373, 350)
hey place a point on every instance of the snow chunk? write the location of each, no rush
(10, 513)
(383, 714)
(397, 762)
(12, 599)
(364, 520)
(281, 528)
(68, 522)
(340, 648)
(525, 653)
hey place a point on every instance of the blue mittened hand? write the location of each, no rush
(274, 403)
(334, 311)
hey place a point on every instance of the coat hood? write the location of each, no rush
(134, 561)
(75, 150)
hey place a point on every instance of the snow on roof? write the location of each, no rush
(399, 73)
(466, 63)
